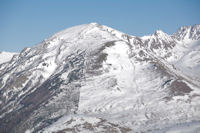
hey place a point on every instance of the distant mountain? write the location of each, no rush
(6, 56)
(92, 78)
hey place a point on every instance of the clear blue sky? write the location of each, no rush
(24, 23)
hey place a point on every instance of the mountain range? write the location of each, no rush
(93, 78)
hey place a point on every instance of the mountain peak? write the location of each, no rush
(90, 31)
(188, 32)
(160, 33)
(94, 23)
(74, 32)
(196, 26)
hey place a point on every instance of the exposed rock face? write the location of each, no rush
(104, 80)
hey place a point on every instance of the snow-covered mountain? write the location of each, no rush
(6, 56)
(92, 78)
